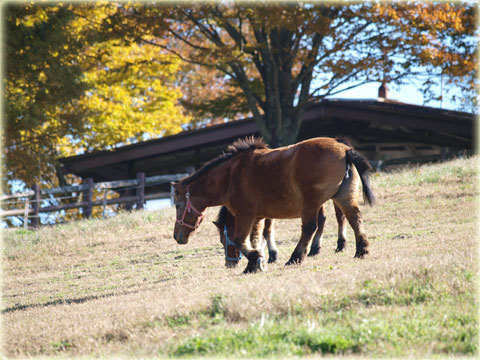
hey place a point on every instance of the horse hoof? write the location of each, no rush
(359, 254)
(292, 262)
(272, 256)
(250, 268)
(314, 251)
(261, 265)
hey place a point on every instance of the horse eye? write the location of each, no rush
(177, 205)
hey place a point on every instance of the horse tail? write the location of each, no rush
(363, 167)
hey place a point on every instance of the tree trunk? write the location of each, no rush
(280, 129)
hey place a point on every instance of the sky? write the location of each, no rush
(406, 93)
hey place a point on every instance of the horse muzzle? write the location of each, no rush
(180, 238)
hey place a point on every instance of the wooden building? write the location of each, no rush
(381, 129)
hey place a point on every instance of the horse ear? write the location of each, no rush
(174, 184)
(218, 224)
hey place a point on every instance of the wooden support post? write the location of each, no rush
(36, 206)
(443, 154)
(140, 192)
(88, 198)
(126, 194)
(190, 170)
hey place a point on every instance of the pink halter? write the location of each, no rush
(188, 209)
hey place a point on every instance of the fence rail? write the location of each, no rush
(133, 189)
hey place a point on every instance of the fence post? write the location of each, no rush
(36, 206)
(104, 202)
(88, 196)
(140, 192)
(25, 213)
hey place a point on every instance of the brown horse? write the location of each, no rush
(225, 223)
(255, 182)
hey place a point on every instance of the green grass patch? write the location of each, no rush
(381, 319)
(61, 346)
(268, 340)
(178, 320)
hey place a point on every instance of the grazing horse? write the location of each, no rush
(225, 223)
(226, 227)
(255, 182)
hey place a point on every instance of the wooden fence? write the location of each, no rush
(134, 191)
(133, 194)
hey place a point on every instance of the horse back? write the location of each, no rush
(277, 182)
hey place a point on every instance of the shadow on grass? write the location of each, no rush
(79, 300)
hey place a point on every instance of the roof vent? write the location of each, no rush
(383, 91)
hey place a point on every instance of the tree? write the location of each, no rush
(78, 74)
(284, 57)
(40, 76)
(69, 88)
(444, 40)
(209, 97)
(131, 96)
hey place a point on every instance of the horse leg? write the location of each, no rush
(256, 240)
(354, 217)
(269, 236)
(309, 226)
(317, 238)
(342, 229)
(243, 227)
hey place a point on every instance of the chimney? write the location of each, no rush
(383, 91)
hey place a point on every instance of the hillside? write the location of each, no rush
(124, 287)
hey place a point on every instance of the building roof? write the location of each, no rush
(370, 124)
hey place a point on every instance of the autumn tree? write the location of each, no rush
(442, 39)
(87, 76)
(283, 57)
(69, 88)
(40, 77)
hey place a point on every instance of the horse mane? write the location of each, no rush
(246, 144)
(239, 146)
(221, 217)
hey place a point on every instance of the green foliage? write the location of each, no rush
(70, 88)
(131, 96)
(41, 75)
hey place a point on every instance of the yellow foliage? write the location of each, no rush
(131, 97)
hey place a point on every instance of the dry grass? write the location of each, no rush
(124, 287)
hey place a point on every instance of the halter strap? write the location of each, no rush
(188, 208)
(231, 243)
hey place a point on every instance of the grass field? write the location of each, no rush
(123, 287)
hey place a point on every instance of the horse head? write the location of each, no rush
(226, 225)
(189, 217)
